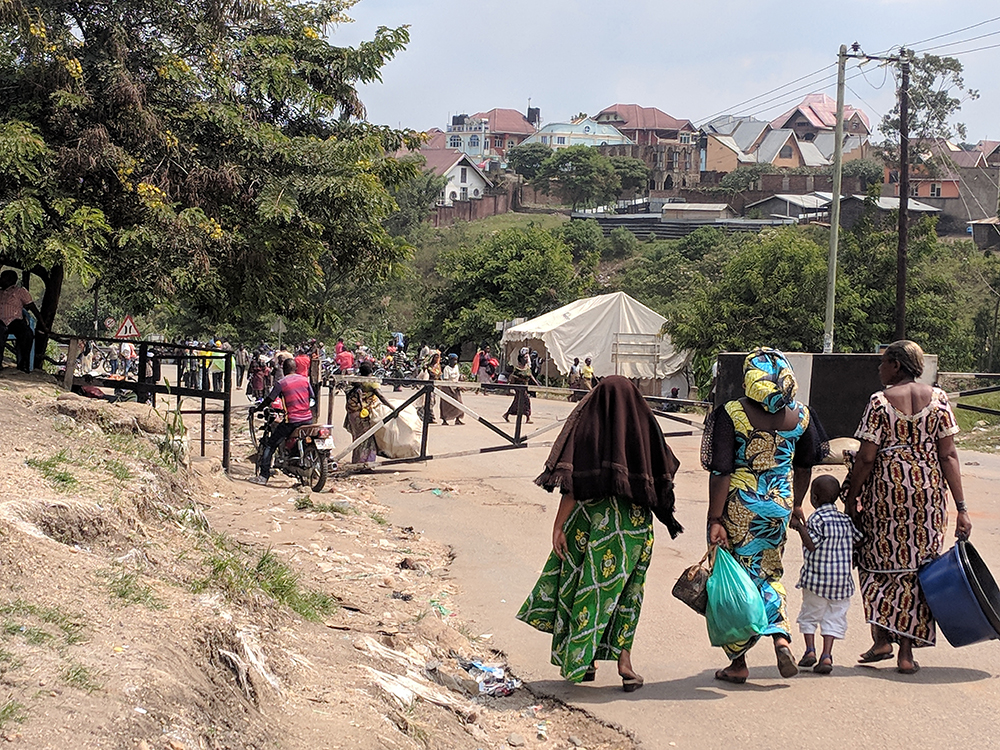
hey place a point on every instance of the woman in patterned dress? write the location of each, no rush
(614, 472)
(760, 451)
(898, 494)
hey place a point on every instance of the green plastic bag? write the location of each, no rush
(735, 607)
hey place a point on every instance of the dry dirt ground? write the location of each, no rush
(154, 606)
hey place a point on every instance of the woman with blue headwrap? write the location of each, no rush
(760, 450)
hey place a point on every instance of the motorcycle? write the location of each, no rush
(305, 455)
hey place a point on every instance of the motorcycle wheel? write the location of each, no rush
(317, 462)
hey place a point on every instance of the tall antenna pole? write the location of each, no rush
(904, 192)
(838, 153)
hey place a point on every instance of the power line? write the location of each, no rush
(768, 93)
(962, 41)
(952, 33)
(784, 102)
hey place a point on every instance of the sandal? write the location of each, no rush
(871, 656)
(591, 674)
(911, 670)
(724, 676)
(631, 684)
(808, 658)
(824, 666)
(786, 664)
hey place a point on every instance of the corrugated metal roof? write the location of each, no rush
(442, 160)
(768, 149)
(811, 156)
(506, 121)
(811, 201)
(821, 111)
(826, 141)
(730, 143)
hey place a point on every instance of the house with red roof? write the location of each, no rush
(668, 146)
(466, 180)
(817, 113)
(488, 135)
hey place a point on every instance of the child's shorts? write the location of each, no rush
(829, 615)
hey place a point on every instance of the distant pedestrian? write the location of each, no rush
(14, 300)
(242, 360)
(521, 375)
(450, 373)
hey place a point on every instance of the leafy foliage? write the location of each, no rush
(585, 238)
(195, 151)
(527, 158)
(743, 178)
(633, 174)
(870, 171)
(515, 272)
(415, 200)
(581, 175)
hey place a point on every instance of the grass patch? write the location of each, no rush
(11, 711)
(304, 502)
(379, 519)
(130, 589)
(117, 469)
(8, 661)
(980, 432)
(40, 625)
(238, 571)
(53, 469)
(77, 675)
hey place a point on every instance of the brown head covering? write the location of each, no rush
(611, 444)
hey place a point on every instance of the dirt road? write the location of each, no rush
(499, 524)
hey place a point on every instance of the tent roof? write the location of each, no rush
(587, 328)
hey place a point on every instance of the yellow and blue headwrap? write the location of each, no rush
(768, 379)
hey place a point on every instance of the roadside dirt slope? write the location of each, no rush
(146, 605)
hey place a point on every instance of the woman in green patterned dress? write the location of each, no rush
(760, 451)
(614, 472)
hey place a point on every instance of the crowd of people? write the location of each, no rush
(614, 473)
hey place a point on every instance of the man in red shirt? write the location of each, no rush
(345, 361)
(14, 300)
(302, 362)
(295, 393)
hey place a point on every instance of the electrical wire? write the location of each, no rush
(768, 93)
(952, 33)
(952, 44)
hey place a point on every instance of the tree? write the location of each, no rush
(870, 171)
(581, 175)
(527, 158)
(195, 152)
(936, 93)
(585, 238)
(415, 199)
(632, 173)
(512, 273)
(622, 243)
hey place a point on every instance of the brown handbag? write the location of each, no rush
(691, 586)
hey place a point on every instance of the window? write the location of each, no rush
(464, 175)
(545, 139)
(455, 142)
(915, 190)
(561, 140)
(453, 195)
(935, 190)
(475, 193)
(465, 194)
(473, 141)
(685, 137)
(586, 128)
(510, 144)
(687, 161)
(809, 137)
(498, 143)
(785, 152)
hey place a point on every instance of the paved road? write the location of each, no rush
(499, 524)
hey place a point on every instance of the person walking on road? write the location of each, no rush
(760, 451)
(451, 374)
(898, 494)
(614, 472)
(358, 419)
(521, 375)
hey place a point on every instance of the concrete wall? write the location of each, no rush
(470, 210)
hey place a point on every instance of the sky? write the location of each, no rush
(692, 60)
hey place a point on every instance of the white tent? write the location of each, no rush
(590, 327)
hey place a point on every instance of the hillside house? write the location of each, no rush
(488, 135)
(668, 146)
(466, 181)
(582, 132)
(817, 113)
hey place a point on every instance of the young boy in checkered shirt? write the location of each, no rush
(828, 538)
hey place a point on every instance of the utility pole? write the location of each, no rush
(838, 154)
(904, 192)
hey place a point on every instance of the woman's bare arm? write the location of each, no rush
(951, 467)
(566, 504)
(718, 490)
(864, 461)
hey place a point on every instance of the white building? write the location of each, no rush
(465, 180)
